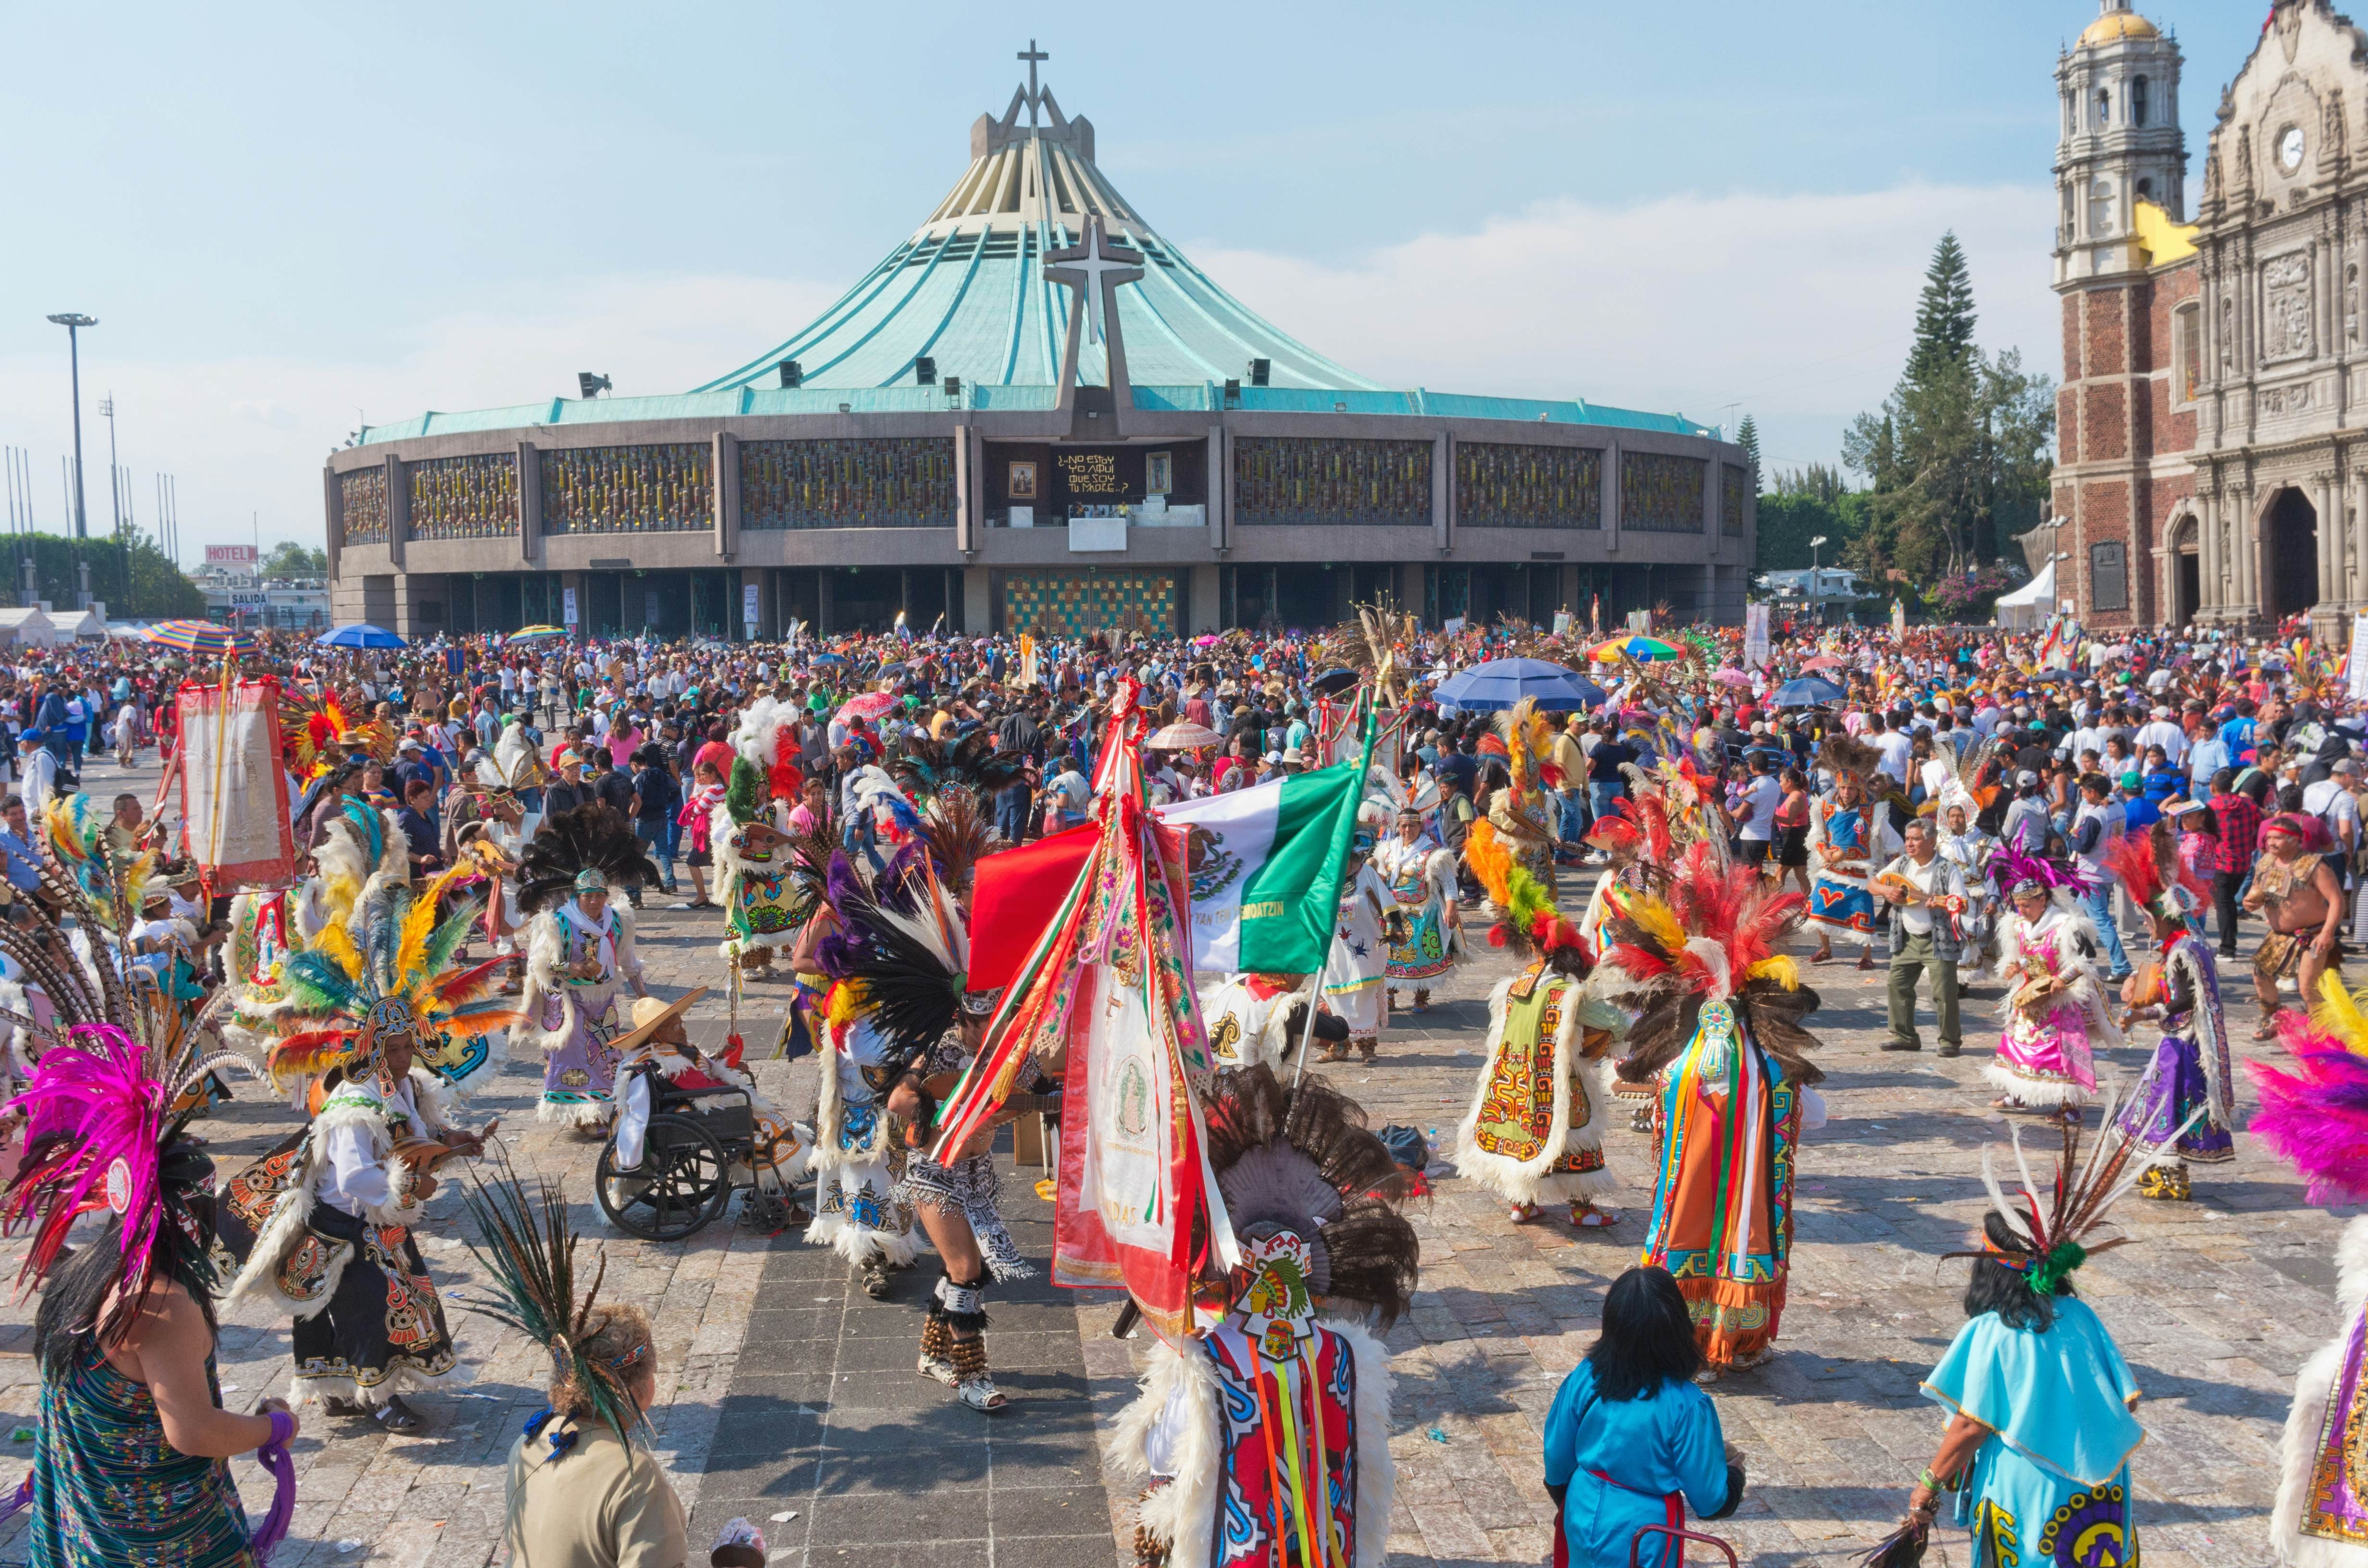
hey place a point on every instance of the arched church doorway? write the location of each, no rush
(2187, 573)
(2291, 530)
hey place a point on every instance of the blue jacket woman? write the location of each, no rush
(1630, 1441)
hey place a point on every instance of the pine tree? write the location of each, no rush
(1944, 314)
(1746, 436)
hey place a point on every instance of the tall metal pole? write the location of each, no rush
(73, 321)
(115, 497)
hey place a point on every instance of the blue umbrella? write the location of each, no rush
(1808, 691)
(361, 634)
(1500, 682)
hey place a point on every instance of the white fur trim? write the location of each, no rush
(2047, 1093)
(578, 1113)
(401, 1379)
(1377, 1475)
(1183, 1513)
(529, 1042)
(857, 1244)
(1527, 1181)
(2307, 1418)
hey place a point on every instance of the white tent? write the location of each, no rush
(2028, 608)
(28, 627)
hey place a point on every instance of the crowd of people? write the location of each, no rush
(2093, 825)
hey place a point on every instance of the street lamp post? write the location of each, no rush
(73, 321)
(1817, 582)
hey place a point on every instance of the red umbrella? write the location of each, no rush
(870, 705)
(1825, 662)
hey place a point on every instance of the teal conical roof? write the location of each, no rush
(968, 288)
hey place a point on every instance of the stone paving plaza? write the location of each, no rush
(789, 1397)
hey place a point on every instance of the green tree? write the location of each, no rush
(1789, 519)
(1746, 436)
(289, 559)
(157, 590)
(1956, 459)
(1944, 314)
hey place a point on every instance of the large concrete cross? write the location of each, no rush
(1094, 267)
(1031, 56)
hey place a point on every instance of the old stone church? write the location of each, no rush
(2213, 449)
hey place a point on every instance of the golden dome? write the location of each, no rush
(2115, 26)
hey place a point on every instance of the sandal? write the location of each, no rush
(1588, 1217)
(976, 1387)
(875, 1277)
(396, 1416)
(1826, 957)
(937, 1340)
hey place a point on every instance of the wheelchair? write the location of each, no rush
(701, 1146)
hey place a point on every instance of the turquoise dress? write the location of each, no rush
(1623, 1459)
(2051, 1486)
(109, 1488)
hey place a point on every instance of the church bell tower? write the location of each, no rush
(2119, 142)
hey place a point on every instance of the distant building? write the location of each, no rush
(1037, 414)
(1819, 582)
(294, 603)
(2210, 463)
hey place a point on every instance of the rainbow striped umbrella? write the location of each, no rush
(1644, 649)
(201, 637)
(528, 633)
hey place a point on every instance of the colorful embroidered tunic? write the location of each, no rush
(2046, 1052)
(1421, 889)
(1843, 840)
(577, 1017)
(1535, 1129)
(2049, 1486)
(2190, 1070)
(1723, 1201)
(1359, 953)
(109, 1488)
(2321, 1514)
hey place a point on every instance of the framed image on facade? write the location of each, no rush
(1159, 473)
(1021, 483)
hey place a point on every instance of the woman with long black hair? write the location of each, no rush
(1631, 1441)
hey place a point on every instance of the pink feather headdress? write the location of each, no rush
(2317, 1117)
(105, 1136)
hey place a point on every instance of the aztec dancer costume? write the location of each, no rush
(1265, 1439)
(1535, 1129)
(2186, 1102)
(583, 1486)
(1850, 835)
(2056, 1008)
(1421, 879)
(2033, 1381)
(368, 1026)
(579, 954)
(105, 1484)
(1718, 1033)
(1353, 979)
(2314, 1117)
(751, 844)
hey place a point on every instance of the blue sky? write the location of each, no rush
(283, 215)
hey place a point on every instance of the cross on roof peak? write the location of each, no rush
(1031, 54)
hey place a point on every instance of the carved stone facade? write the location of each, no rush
(2210, 428)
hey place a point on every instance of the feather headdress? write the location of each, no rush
(1844, 754)
(766, 738)
(957, 836)
(902, 946)
(1713, 937)
(2318, 1116)
(110, 1138)
(2049, 1224)
(1526, 918)
(1300, 1160)
(514, 766)
(389, 970)
(2009, 867)
(529, 1249)
(590, 837)
(316, 732)
(2146, 862)
(1529, 737)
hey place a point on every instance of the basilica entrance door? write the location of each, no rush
(2187, 574)
(2292, 527)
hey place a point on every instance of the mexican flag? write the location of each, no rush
(1265, 865)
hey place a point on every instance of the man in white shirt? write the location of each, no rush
(1894, 747)
(38, 765)
(1922, 939)
(1756, 806)
(2162, 731)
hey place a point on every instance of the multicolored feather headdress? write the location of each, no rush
(1711, 941)
(2147, 861)
(2317, 1115)
(390, 971)
(317, 731)
(106, 1136)
(2048, 1225)
(529, 1249)
(1526, 916)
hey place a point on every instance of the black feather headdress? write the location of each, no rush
(909, 963)
(958, 835)
(1301, 1159)
(1846, 754)
(590, 837)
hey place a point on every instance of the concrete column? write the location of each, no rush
(2207, 556)
(724, 489)
(2356, 486)
(822, 601)
(1203, 609)
(1611, 498)
(977, 608)
(333, 519)
(1713, 479)
(1442, 492)
(530, 482)
(1221, 514)
(2325, 544)
(970, 492)
(1409, 587)
(398, 512)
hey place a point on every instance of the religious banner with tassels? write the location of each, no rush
(234, 785)
(1107, 987)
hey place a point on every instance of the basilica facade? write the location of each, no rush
(2213, 460)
